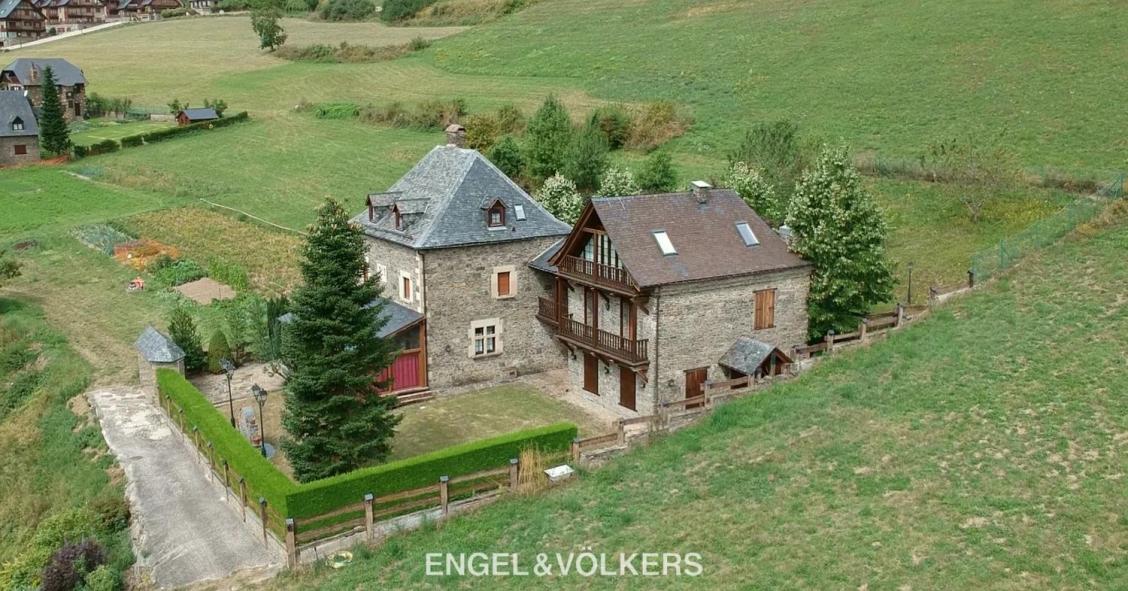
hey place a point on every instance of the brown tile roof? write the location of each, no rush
(704, 235)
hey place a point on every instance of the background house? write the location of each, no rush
(451, 240)
(190, 116)
(20, 21)
(27, 74)
(654, 295)
(72, 15)
(19, 132)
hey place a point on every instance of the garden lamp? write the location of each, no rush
(260, 398)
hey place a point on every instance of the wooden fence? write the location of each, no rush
(868, 327)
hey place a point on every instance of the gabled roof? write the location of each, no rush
(201, 114)
(66, 73)
(543, 261)
(158, 348)
(7, 6)
(443, 195)
(13, 105)
(747, 355)
(704, 236)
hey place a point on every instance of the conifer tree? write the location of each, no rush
(587, 158)
(335, 417)
(838, 227)
(53, 134)
(657, 174)
(547, 139)
(182, 330)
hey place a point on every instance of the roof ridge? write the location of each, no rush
(448, 192)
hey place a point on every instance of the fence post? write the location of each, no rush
(262, 516)
(226, 483)
(862, 330)
(369, 524)
(514, 473)
(243, 497)
(180, 415)
(829, 338)
(211, 456)
(444, 494)
(900, 315)
(196, 442)
(622, 431)
(576, 450)
(291, 543)
(971, 278)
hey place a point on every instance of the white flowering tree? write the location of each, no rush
(756, 191)
(559, 196)
(838, 227)
(617, 182)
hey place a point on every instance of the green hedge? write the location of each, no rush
(322, 496)
(102, 147)
(132, 141)
(262, 478)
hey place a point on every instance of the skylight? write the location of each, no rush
(664, 243)
(746, 234)
(520, 211)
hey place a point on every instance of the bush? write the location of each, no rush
(587, 158)
(617, 182)
(482, 131)
(396, 10)
(657, 174)
(778, 152)
(336, 111)
(437, 114)
(293, 6)
(510, 120)
(102, 578)
(230, 274)
(218, 350)
(70, 564)
(322, 496)
(175, 12)
(547, 139)
(394, 114)
(171, 273)
(111, 510)
(506, 155)
(614, 123)
(348, 10)
(559, 196)
(132, 141)
(756, 191)
(656, 124)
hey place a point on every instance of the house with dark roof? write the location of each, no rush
(20, 21)
(140, 10)
(450, 241)
(26, 74)
(19, 131)
(190, 116)
(654, 295)
(71, 15)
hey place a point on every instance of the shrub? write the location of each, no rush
(547, 139)
(102, 578)
(778, 152)
(617, 182)
(587, 158)
(510, 120)
(506, 155)
(657, 174)
(229, 274)
(218, 350)
(656, 124)
(559, 196)
(395, 114)
(396, 10)
(132, 141)
(322, 496)
(348, 10)
(111, 510)
(70, 564)
(336, 111)
(756, 191)
(175, 12)
(419, 44)
(614, 123)
(173, 273)
(293, 6)
(437, 114)
(482, 131)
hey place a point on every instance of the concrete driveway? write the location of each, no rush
(184, 532)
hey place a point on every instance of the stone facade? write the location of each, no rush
(394, 262)
(461, 295)
(8, 146)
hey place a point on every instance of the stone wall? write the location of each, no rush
(700, 321)
(395, 261)
(460, 293)
(8, 149)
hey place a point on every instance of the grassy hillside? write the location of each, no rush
(981, 448)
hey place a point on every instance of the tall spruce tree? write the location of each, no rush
(838, 228)
(334, 415)
(547, 139)
(182, 330)
(53, 134)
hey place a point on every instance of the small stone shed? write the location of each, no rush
(156, 351)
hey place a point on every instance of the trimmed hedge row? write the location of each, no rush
(132, 141)
(263, 479)
(102, 147)
(322, 496)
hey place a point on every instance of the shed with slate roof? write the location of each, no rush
(155, 350)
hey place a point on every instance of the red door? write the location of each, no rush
(404, 372)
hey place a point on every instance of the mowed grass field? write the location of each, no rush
(93, 131)
(983, 448)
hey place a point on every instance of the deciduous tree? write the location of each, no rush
(559, 196)
(335, 417)
(587, 158)
(756, 191)
(617, 182)
(506, 155)
(657, 174)
(547, 138)
(265, 23)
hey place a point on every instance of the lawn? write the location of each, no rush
(981, 448)
(448, 421)
(93, 131)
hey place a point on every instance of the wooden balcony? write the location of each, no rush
(547, 311)
(593, 273)
(628, 351)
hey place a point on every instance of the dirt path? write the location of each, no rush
(184, 532)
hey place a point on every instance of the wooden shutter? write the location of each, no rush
(503, 283)
(765, 309)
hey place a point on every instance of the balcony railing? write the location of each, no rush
(623, 349)
(548, 311)
(604, 275)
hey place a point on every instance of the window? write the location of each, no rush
(664, 243)
(765, 309)
(495, 217)
(503, 282)
(485, 338)
(520, 211)
(20, 149)
(17, 124)
(405, 288)
(746, 234)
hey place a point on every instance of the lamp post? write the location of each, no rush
(260, 398)
(229, 369)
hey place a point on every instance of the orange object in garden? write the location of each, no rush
(137, 284)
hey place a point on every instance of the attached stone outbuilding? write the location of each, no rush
(156, 351)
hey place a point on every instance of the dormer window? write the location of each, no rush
(495, 216)
(17, 124)
(746, 234)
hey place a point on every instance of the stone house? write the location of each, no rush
(20, 21)
(654, 295)
(71, 15)
(139, 10)
(451, 241)
(26, 74)
(19, 132)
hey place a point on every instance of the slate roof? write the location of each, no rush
(703, 234)
(66, 73)
(398, 318)
(7, 6)
(202, 114)
(157, 348)
(441, 198)
(14, 104)
(543, 261)
(746, 355)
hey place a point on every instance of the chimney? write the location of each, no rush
(34, 73)
(785, 233)
(456, 135)
(701, 191)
